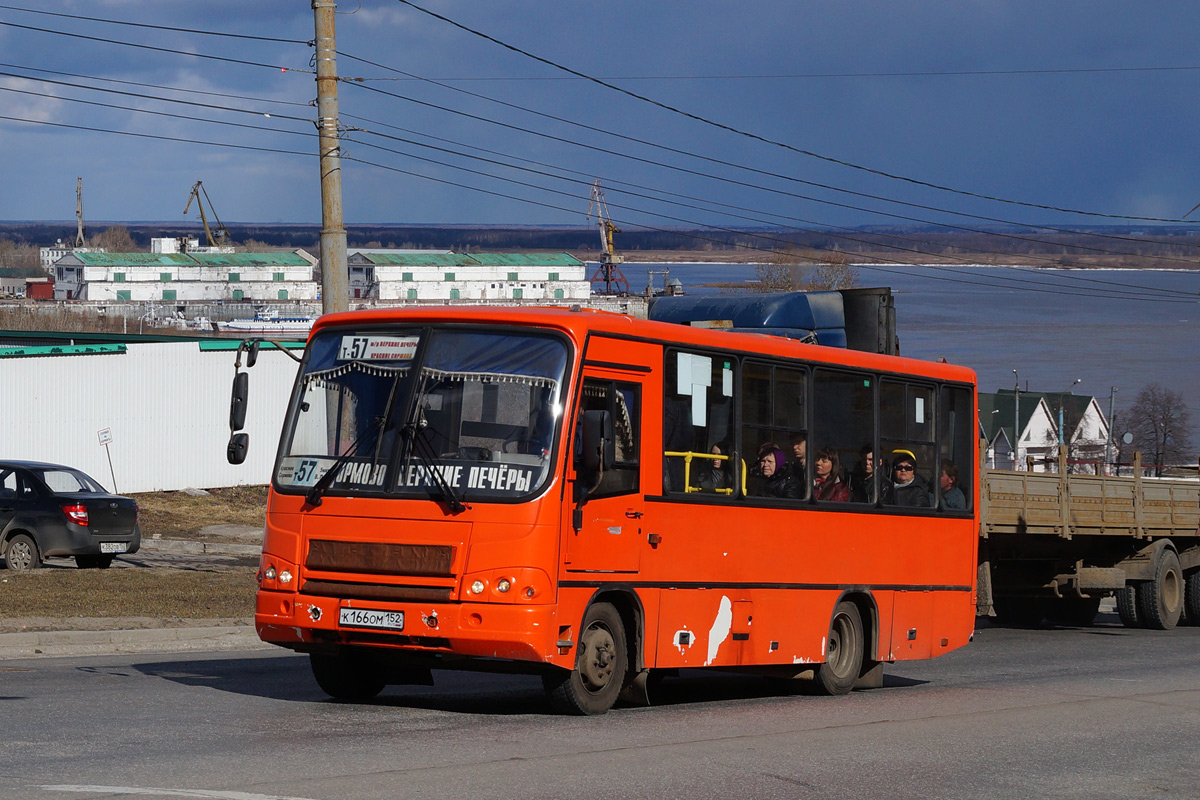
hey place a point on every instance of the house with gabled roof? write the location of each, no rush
(1046, 420)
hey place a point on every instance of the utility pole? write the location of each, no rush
(1016, 417)
(335, 294)
(1108, 439)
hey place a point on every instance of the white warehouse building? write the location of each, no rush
(145, 277)
(401, 276)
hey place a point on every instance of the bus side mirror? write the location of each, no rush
(252, 353)
(237, 402)
(599, 449)
(239, 444)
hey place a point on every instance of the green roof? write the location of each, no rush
(470, 260)
(133, 259)
(279, 259)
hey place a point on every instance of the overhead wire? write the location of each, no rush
(198, 31)
(766, 140)
(689, 154)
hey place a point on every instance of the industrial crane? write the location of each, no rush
(608, 272)
(80, 241)
(221, 235)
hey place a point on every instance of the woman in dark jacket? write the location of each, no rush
(772, 478)
(908, 488)
(827, 477)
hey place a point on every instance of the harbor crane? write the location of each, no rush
(80, 241)
(215, 238)
(608, 272)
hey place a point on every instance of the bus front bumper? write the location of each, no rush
(518, 632)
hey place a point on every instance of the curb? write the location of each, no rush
(41, 644)
(187, 547)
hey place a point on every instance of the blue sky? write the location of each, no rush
(1117, 141)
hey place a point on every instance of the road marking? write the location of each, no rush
(205, 794)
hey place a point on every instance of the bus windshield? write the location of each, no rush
(453, 414)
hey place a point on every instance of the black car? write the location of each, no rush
(49, 510)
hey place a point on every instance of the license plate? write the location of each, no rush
(113, 547)
(367, 618)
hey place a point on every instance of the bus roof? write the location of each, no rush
(578, 322)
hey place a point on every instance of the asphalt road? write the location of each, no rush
(1092, 713)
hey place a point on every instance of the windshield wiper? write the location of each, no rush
(314, 495)
(433, 465)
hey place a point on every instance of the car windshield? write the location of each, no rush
(442, 413)
(68, 481)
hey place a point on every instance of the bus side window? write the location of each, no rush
(906, 440)
(623, 403)
(843, 426)
(956, 449)
(698, 402)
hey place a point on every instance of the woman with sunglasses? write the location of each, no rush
(908, 488)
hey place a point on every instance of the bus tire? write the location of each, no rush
(601, 664)
(844, 652)
(1160, 600)
(1191, 597)
(1127, 606)
(347, 677)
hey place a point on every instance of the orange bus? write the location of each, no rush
(595, 498)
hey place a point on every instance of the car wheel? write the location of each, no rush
(22, 554)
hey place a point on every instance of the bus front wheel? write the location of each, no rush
(844, 654)
(347, 677)
(601, 664)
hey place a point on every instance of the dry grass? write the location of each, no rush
(177, 515)
(140, 597)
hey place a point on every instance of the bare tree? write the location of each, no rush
(1161, 426)
(114, 240)
(793, 270)
(22, 258)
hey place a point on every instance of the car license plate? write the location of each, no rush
(368, 618)
(113, 547)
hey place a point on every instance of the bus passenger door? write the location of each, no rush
(604, 510)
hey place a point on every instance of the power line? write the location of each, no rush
(732, 181)
(689, 154)
(155, 86)
(765, 140)
(158, 27)
(157, 49)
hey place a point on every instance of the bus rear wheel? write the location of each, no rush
(1160, 600)
(844, 653)
(601, 665)
(346, 676)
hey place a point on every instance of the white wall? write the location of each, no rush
(166, 405)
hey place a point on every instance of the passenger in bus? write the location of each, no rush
(800, 453)
(827, 477)
(718, 473)
(908, 488)
(772, 477)
(952, 495)
(865, 487)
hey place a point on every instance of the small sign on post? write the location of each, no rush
(105, 436)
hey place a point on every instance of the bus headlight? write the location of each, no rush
(477, 587)
(503, 585)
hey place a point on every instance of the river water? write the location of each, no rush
(1109, 328)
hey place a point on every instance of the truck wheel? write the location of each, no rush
(1191, 597)
(601, 666)
(1127, 607)
(1160, 601)
(347, 677)
(844, 654)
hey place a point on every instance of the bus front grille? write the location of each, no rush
(381, 558)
